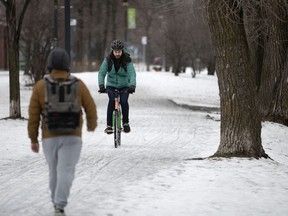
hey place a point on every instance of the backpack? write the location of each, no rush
(62, 109)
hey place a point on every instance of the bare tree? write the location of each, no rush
(36, 39)
(185, 37)
(267, 27)
(93, 31)
(14, 30)
(147, 15)
(250, 39)
(102, 31)
(240, 119)
(176, 44)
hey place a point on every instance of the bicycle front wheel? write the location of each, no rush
(117, 129)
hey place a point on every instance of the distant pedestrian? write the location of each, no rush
(57, 102)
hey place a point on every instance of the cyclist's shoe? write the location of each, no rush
(126, 127)
(108, 130)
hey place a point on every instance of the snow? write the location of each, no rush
(158, 170)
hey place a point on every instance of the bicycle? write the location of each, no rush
(117, 118)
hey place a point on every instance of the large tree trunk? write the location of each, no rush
(267, 29)
(15, 108)
(13, 56)
(240, 120)
(273, 94)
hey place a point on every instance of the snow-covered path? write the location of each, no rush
(149, 174)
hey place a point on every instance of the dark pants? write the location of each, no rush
(111, 105)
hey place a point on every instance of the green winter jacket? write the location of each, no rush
(120, 79)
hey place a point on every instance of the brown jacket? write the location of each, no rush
(36, 109)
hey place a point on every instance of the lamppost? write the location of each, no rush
(67, 27)
(55, 32)
(125, 5)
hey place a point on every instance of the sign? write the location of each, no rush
(144, 40)
(73, 22)
(131, 18)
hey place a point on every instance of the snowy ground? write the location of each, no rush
(151, 173)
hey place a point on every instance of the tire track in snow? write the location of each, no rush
(152, 145)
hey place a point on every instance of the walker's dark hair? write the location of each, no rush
(58, 59)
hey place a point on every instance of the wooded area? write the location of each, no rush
(95, 23)
(249, 39)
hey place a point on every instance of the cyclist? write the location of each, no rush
(121, 75)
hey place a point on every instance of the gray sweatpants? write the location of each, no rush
(62, 154)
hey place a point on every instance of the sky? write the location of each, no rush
(174, 121)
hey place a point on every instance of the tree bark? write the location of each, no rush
(240, 120)
(13, 54)
(273, 91)
(13, 62)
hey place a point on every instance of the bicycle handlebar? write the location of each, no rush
(122, 91)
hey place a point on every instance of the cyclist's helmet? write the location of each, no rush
(117, 45)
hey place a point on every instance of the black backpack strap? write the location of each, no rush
(126, 60)
(109, 62)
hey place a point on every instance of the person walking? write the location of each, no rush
(121, 75)
(61, 132)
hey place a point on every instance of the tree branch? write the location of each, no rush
(21, 18)
(4, 2)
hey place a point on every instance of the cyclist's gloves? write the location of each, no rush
(131, 89)
(102, 89)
